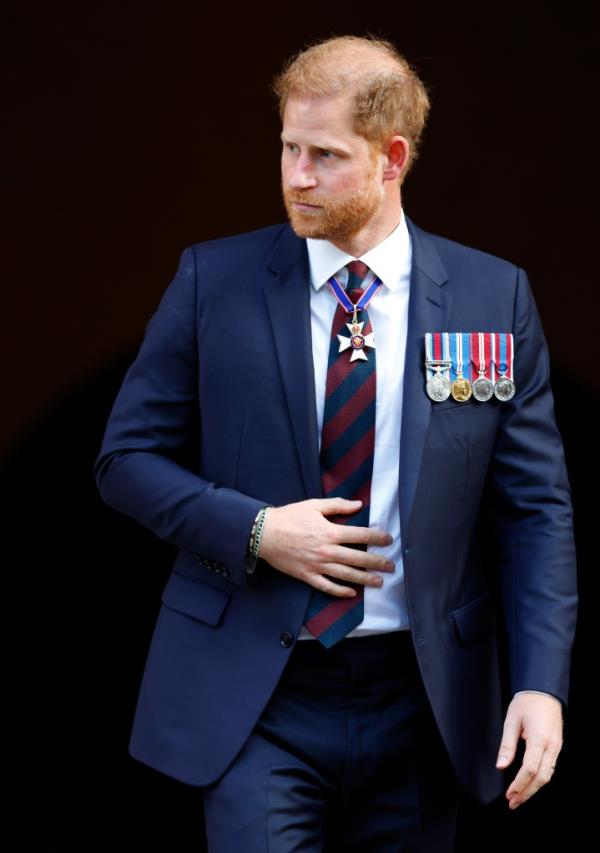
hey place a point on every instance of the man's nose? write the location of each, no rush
(301, 175)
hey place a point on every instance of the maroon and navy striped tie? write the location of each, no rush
(347, 448)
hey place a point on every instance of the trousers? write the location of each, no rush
(345, 758)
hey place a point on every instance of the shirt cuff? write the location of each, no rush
(543, 692)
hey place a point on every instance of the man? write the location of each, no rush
(303, 422)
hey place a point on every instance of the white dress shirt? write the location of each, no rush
(384, 607)
(391, 260)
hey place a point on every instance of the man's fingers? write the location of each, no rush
(351, 533)
(332, 506)
(350, 574)
(541, 778)
(510, 739)
(506, 754)
(360, 560)
(536, 771)
(326, 585)
(528, 769)
(355, 535)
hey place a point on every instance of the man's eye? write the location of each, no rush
(327, 152)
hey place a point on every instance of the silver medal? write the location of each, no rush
(504, 389)
(438, 387)
(483, 389)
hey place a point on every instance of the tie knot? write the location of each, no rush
(357, 271)
(358, 268)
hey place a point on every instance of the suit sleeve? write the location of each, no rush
(530, 512)
(139, 469)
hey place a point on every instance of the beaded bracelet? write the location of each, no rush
(257, 529)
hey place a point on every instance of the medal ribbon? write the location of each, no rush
(447, 353)
(465, 355)
(480, 348)
(472, 354)
(428, 346)
(433, 350)
(345, 301)
(501, 353)
(429, 349)
(509, 354)
(487, 354)
(437, 349)
(456, 354)
(503, 356)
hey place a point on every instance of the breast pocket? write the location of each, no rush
(451, 405)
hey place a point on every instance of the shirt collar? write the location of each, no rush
(390, 260)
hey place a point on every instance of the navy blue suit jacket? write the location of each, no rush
(216, 417)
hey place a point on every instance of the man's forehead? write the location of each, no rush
(323, 122)
(305, 107)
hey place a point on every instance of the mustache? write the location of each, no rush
(304, 199)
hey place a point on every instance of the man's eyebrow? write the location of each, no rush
(333, 148)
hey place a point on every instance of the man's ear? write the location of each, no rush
(397, 153)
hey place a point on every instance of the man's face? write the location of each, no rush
(330, 177)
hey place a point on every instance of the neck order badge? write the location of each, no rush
(357, 340)
(347, 441)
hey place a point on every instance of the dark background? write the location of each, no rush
(135, 130)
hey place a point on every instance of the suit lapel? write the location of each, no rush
(287, 296)
(288, 303)
(428, 311)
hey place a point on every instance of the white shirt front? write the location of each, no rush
(391, 260)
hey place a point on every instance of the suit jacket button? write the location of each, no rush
(286, 639)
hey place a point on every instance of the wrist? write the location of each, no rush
(253, 547)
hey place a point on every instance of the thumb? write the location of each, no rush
(336, 505)
(508, 746)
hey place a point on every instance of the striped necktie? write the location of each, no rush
(347, 447)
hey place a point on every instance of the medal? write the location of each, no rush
(357, 341)
(504, 387)
(453, 358)
(483, 387)
(461, 387)
(438, 386)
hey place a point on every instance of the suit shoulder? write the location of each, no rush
(213, 264)
(457, 255)
(248, 244)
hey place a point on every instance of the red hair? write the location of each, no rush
(388, 96)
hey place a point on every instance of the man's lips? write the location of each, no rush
(304, 205)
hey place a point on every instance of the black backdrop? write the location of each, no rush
(137, 129)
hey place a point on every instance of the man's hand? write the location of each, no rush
(298, 540)
(539, 720)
